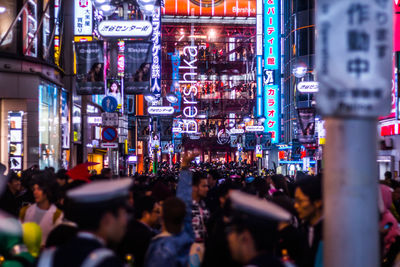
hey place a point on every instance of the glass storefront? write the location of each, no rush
(49, 126)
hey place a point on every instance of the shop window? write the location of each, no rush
(49, 126)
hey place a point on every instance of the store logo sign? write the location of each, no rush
(308, 87)
(125, 28)
(157, 110)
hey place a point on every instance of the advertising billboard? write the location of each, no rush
(226, 8)
(138, 58)
(89, 68)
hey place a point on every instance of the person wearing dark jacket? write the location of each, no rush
(9, 201)
(140, 230)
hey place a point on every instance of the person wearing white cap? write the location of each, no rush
(99, 209)
(253, 229)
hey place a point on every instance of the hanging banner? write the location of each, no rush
(138, 58)
(89, 68)
(177, 145)
(143, 129)
(307, 125)
(250, 141)
(165, 128)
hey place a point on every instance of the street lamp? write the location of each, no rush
(261, 119)
(299, 70)
(149, 97)
(171, 98)
(246, 118)
(107, 9)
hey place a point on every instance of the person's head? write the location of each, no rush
(14, 183)
(100, 207)
(114, 88)
(308, 199)
(44, 188)
(388, 175)
(199, 186)
(252, 231)
(212, 178)
(145, 67)
(148, 211)
(174, 211)
(96, 67)
(106, 173)
(62, 177)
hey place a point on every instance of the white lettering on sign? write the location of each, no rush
(125, 28)
(354, 52)
(236, 131)
(255, 128)
(83, 20)
(157, 110)
(189, 75)
(308, 87)
(95, 120)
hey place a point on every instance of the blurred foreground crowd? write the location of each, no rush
(187, 215)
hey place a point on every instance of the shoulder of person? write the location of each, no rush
(22, 212)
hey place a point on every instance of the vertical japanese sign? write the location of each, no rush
(83, 20)
(156, 53)
(271, 92)
(259, 47)
(354, 55)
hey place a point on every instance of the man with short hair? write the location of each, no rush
(308, 204)
(99, 209)
(200, 213)
(9, 201)
(141, 230)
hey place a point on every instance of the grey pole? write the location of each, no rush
(351, 236)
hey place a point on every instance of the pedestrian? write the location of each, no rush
(9, 201)
(140, 230)
(308, 204)
(43, 212)
(200, 213)
(99, 209)
(252, 231)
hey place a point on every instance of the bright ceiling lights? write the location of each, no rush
(2, 9)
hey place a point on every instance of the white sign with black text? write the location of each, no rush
(83, 18)
(125, 28)
(159, 110)
(308, 87)
(354, 57)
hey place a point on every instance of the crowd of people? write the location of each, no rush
(208, 214)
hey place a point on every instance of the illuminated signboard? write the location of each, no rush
(226, 8)
(157, 110)
(271, 107)
(271, 34)
(125, 28)
(189, 80)
(236, 131)
(259, 47)
(156, 52)
(308, 87)
(271, 91)
(83, 21)
(255, 128)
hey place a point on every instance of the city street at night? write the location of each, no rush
(199, 133)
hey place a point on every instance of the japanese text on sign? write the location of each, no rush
(129, 28)
(358, 82)
(83, 17)
(156, 66)
(271, 34)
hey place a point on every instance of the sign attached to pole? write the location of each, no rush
(160, 110)
(109, 134)
(255, 128)
(83, 19)
(125, 28)
(109, 104)
(354, 55)
(308, 87)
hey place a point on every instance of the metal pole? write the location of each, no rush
(351, 194)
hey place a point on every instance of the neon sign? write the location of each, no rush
(156, 52)
(271, 91)
(189, 91)
(271, 34)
